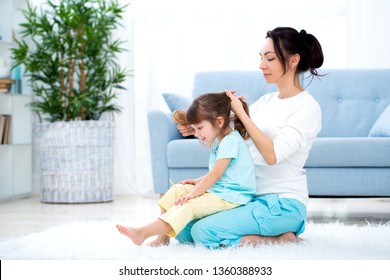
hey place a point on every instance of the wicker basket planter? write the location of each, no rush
(75, 161)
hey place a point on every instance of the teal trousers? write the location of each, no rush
(266, 215)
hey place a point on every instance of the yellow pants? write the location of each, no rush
(179, 216)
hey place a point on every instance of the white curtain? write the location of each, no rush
(171, 40)
(174, 39)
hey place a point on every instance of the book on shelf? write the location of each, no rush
(2, 125)
(8, 130)
(5, 129)
(6, 84)
(7, 81)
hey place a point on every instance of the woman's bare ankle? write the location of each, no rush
(252, 240)
(255, 239)
(288, 237)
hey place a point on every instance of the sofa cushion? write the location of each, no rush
(349, 152)
(326, 152)
(381, 127)
(176, 101)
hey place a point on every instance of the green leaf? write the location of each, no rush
(70, 58)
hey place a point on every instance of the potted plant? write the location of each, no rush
(70, 58)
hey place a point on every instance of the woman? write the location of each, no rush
(282, 127)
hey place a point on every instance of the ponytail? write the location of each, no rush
(311, 53)
(238, 125)
(288, 41)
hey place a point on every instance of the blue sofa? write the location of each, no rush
(350, 158)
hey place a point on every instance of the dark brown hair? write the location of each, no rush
(209, 106)
(288, 41)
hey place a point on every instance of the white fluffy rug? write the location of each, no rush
(95, 241)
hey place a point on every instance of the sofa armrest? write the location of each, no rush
(161, 131)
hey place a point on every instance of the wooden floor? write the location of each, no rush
(25, 216)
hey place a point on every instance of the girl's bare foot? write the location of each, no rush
(160, 240)
(131, 233)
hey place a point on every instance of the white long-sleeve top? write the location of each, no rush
(293, 124)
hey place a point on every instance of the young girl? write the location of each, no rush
(229, 183)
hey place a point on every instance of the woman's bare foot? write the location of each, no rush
(160, 240)
(254, 239)
(288, 237)
(132, 233)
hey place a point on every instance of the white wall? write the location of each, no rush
(368, 34)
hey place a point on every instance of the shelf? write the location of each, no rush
(15, 171)
(6, 6)
(10, 17)
(16, 157)
(15, 105)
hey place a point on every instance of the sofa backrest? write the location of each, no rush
(351, 100)
(251, 84)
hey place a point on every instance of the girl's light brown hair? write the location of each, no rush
(209, 106)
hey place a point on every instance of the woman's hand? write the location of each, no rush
(236, 102)
(186, 130)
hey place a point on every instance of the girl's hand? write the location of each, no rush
(189, 182)
(186, 130)
(184, 199)
(236, 102)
